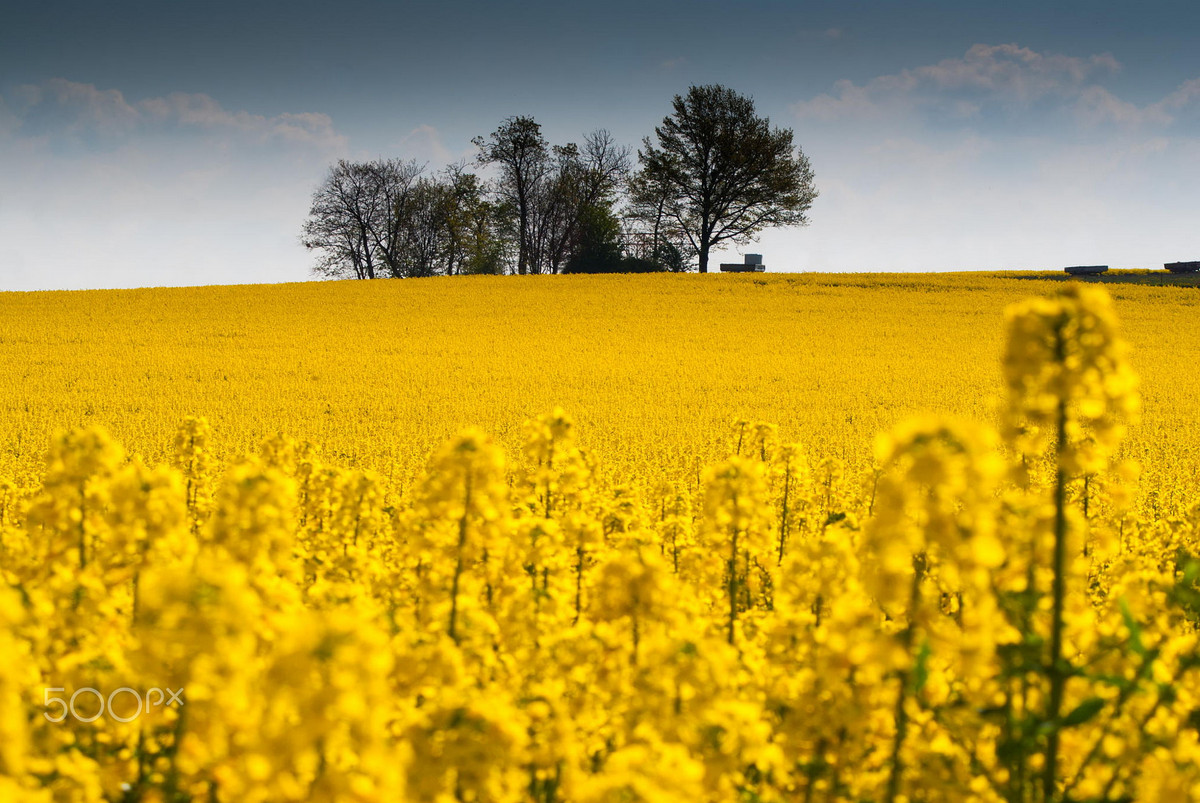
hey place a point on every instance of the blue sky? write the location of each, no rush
(163, 143)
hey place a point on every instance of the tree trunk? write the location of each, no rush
(523, 239)
(704, 258)
(662, 200)
(522, 249)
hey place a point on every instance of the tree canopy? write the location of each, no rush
(716, 173)
(721, 172)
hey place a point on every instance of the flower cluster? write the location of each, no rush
(971, 617)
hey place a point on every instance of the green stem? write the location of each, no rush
(897, 762)
(83, 526)
(579, 556)
(458, 566)
(636, 638)
(733, 582)
(783, 518)
(1058, 677)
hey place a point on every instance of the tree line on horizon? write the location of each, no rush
(715, 173)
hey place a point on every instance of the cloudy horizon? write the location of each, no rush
(143, 146)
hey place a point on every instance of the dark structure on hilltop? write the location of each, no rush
(753, 264)
(1182, 267)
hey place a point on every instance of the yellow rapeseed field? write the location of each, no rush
(559, 539)
(652, 368)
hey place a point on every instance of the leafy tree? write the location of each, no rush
(477, 237)
(549, 188)
(650, 234)
(668, 256)
(422, 217)
(585, 184)
(522, 154)
(384, 218)
(721, 172)
(596, 249)
(467, 216)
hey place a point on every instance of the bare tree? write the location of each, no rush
(722, 173)
(395, 181)
(344, 213)
(421, 224)
(584, 179)
(442, 225)
(649, 231)
(384, 218)
(353, 221)
(477, 237)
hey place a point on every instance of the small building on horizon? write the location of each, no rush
(753, 264)
(1182, 267)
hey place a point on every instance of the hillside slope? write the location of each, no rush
(653, 368)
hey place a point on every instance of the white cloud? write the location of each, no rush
(1017, 81)
(424, 143)
(8, 120)
(1006, 74)
(1002, 158)
(201, 111)
(848, 100)
(73, 107)
(62, 110)
(104, 192)
(927, 157)
(966, 202)
(1097, 106)
(1187, 94)
(1014, 70)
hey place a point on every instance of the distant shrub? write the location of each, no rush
(614, 264)
(636, 265)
